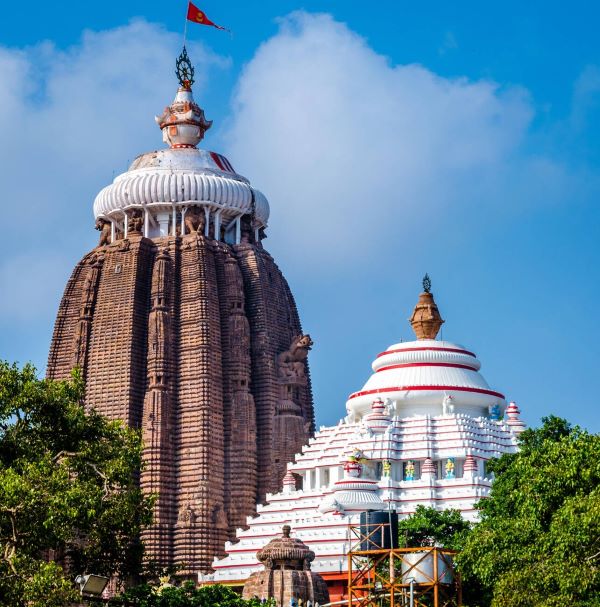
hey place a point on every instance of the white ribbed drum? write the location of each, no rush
(173, 177)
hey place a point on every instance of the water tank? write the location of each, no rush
(420, 567)
(380, 537)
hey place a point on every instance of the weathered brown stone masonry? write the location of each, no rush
(198, 342)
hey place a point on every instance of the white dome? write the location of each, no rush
(427, 377)
(181, 176)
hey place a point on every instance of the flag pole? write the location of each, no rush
(185, 25)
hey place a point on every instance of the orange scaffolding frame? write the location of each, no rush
(382, 577)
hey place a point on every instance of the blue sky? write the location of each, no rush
(391, 139)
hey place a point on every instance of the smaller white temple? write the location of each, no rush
(420, 431)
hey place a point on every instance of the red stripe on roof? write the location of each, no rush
(404, 365)
(227, 164)
(218, 160)
(434, 388)
(427, 349)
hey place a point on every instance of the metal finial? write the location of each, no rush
(184, 70)
(426, 283)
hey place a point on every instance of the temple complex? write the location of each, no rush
(419, 431)
(183, 325)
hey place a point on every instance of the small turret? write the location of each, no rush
(513, 418)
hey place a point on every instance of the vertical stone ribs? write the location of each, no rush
(274, 324)
(116, 361)
(238, 403)
(60, 357)
(158, 474)
(88, 299)
(201, 529)
(183, 337)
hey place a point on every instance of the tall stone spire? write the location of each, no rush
(426, 319)
(183, 326)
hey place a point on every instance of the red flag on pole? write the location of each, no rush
(195, 15)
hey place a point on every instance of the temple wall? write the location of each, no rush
(200, 449)
(158, 422)
(239, 408)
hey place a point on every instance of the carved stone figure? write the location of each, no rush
(247, 229)
(103, 227)
(136, 221)
(292, 362)
(194, 220)
(186, 515)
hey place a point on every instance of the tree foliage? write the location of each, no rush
(431, 527)
(186, 595)
(538, 542)
(67, 490)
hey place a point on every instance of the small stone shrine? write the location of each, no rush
(287, 575)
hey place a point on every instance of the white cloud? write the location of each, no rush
(348, 146)
(585, 97)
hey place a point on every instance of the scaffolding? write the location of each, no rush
(399, 577)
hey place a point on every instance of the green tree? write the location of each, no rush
(431, 527)
(67, 490)
(186, 595)
(538, 542)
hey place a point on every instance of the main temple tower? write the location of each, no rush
(184, 326)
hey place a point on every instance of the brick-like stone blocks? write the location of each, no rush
(181, 337)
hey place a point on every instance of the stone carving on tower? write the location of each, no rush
(103, 227)
(292, 362)
(135, 222)
(191, 335)
(195, 220)
(290, 417)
